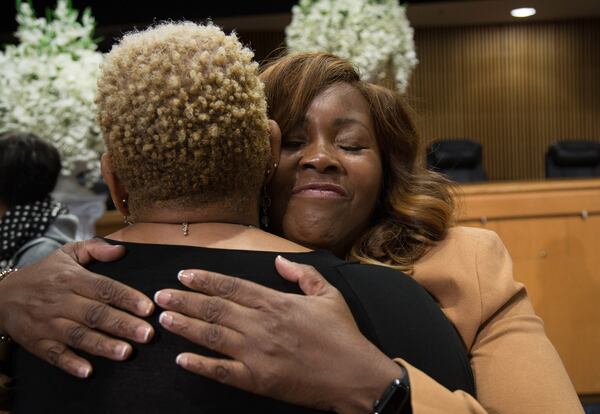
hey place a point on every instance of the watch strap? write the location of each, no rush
(396, 397)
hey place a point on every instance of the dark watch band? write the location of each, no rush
(396, 397)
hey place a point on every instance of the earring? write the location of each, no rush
(265, 203)
(126, 218)
(268, 172)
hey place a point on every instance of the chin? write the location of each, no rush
(313, 236)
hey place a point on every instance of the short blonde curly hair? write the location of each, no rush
(183, 114)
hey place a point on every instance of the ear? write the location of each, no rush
(275, 137)
(118, 192)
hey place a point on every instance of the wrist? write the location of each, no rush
(396, 397)
(4, 274)
(369, 385)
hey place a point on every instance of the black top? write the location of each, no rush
(390, 308)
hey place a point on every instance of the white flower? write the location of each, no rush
(48, 84)
(372, 34)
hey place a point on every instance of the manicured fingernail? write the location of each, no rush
(84, 372)
(165, 319)
(145, 307)
(181, 360)
(283, 259)
(185, 276)
(162, 298)
(121, 351)
(143, 333)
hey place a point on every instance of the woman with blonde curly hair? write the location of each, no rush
(189, 150)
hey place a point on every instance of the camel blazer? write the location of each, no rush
(516, 368)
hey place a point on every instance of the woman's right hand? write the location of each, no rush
(55, 304)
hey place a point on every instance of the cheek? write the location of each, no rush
(368, 179)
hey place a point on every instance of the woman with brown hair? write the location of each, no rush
(325, 195)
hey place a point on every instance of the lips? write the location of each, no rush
(320, 190)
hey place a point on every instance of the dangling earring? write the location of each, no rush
(265, 203)
(126, 218)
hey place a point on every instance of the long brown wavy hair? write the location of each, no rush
(416, 205)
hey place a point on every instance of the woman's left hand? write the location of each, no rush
(301, 349)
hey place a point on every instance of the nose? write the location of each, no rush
(321, 157)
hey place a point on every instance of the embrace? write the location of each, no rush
(298, 255)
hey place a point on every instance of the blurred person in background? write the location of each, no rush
(32, 224)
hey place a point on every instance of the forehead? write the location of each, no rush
(339, 100)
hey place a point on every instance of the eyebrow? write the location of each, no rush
(340, 122)
(337, 122)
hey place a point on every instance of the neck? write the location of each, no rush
(210, 214)
(195, 226)
(206, 228)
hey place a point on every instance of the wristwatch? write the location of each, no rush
(396, 397)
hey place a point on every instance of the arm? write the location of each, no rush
(55, 304)
(278, 347)
(516, 368)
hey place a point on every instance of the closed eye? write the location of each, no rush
(292, 143)
(352, 148)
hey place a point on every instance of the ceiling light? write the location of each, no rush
(523, 12)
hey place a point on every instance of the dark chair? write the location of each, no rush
(459, 159)
(571, 159)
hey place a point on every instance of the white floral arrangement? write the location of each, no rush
(374, 35)
(48, 85)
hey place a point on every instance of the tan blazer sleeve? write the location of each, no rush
(516, 368)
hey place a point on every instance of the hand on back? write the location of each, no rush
(55, 305)
(303, 349)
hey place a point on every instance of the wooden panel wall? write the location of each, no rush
(552, 231)
(515, 88)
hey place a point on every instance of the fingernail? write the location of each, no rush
(283, 259)
(84, 372)
(143, 333)
(162, 298)
(185, 276)
(181, 360)
(145, 307)
(121, 351)
(165, 319)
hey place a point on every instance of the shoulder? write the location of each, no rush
(382, 279)
(470, 274)
(61, 231)
(387, 294)
(466, 249)
(407, 322)
(465, 240)
(35, 250)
